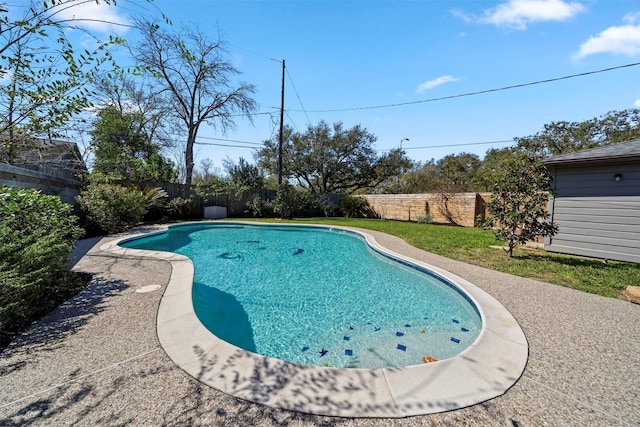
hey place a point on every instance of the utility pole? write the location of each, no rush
(281, 129)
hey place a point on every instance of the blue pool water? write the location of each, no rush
(318, 296)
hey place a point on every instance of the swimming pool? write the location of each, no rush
(486, 369)
(318, 296)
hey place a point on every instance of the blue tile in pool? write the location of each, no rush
(402, 347)
(399, 334)
(455, 340)
(464, 330)
(348, 352)
(455, 320)
(347, 338)
(407, 325)
(305, 348)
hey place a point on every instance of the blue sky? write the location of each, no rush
(346, 58)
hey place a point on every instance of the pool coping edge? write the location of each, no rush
(479, 373)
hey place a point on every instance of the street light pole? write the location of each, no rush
(398, 184)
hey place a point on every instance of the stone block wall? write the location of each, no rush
(445, 208)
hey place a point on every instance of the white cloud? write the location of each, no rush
(637, 103)
(430, 84)
(518, 14)
(631, 18)
(621, 40)
(99, 17)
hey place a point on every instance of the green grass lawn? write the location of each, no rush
(473, 245)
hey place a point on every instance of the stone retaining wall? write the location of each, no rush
(447, 208)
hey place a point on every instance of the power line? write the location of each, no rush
(449, 145)
(298, 96)
(227, 140)
(474, 93)
(453, 145)
(225, 145)
(292, 122)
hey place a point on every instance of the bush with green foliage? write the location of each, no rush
(38, 233)
(181, 208)
(426, 219)
(110, 207)
(286, 201)
(260, 208)
(356, 207)
(518, 204)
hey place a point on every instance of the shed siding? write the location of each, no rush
(597, 216)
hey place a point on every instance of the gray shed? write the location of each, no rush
(597, 202)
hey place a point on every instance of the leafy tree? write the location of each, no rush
(195, 78)
(457, 172)
(518, 205)
(134, 97)
(243, 175)
(421, 178)
(46, 80)
(390, 169)
(491, 167)
(566, 137)
(328, 159)
(453, 173)
(209, 180)
(123, 148)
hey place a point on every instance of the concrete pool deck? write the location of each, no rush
(96, 360)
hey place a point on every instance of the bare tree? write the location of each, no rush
(196, 80)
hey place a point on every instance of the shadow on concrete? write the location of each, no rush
(48, 333)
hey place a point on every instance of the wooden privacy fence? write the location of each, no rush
(235, 202)
(447, 208)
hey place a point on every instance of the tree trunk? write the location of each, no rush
(188, 159)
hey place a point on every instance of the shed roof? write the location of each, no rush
(622, 151)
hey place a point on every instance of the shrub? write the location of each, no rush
(259, 207)
(38, 232)
(112, 207)
(426, 219)
(180, 208)
(286, 201)
(356, 207)
(330, 209)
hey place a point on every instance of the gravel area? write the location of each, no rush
(96, 359)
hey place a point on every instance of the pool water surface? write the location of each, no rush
(318, 296)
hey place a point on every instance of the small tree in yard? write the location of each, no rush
(517, 208)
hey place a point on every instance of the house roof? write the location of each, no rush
(54, 157)
(622, 151)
